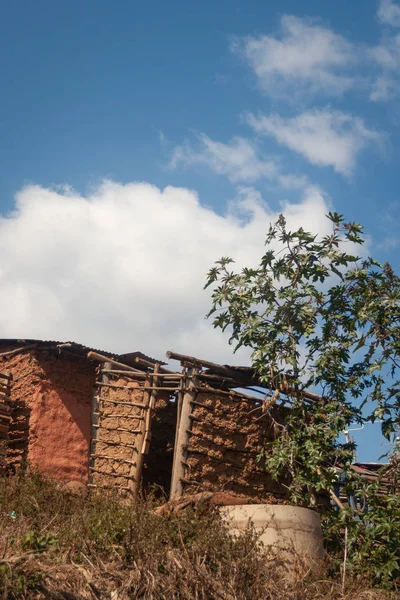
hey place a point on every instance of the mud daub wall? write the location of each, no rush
(226, 438)
(119, 437)
(51, 413)
(117, 434)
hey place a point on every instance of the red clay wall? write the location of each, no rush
(51, 423)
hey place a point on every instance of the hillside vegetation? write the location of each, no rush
(57, 545)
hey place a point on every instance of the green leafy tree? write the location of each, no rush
(316, 316)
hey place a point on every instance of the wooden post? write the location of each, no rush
(149, 400)
(182, 438)
(95, 421)
(179, 401)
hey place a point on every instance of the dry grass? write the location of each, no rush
(61, 546)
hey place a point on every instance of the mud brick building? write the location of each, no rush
(125, 421)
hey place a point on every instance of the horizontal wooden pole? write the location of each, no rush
(18, 350)
(231, 393)
(139, 388)
(110, 443)
(138, 404)
(144, 375)
(192, 482)
(183, 358)
(151, 365)
(118, 416)
(94, 470)
(105, 359)
(201, 405)
(115, 458)
(219, 378)
(15, 441)
(108, 487)
(132, 431)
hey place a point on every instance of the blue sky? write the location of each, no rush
(140, 141)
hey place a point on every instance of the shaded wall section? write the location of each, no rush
(51, 396)
(227, 436)
(157, 469)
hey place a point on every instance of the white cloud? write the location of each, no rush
(239, 160)
(384, 88)
(123, 268)
(325, 137)
(386, 55)
(389, 13)
(306, 57)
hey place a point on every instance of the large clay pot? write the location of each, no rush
(293, 533)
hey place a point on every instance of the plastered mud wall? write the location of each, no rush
(51, 399)
(227, 436)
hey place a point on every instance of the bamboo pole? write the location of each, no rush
(182, 440)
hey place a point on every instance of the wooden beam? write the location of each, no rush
(18, 350)
(199, 362)
(143, 375)
(138, 388)
(179, 401)
(181, 443)
(150, 365)
(241, 380)
(113, 363)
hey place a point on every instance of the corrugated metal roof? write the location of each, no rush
(81, 349)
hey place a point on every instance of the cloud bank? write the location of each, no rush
(123, 268)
